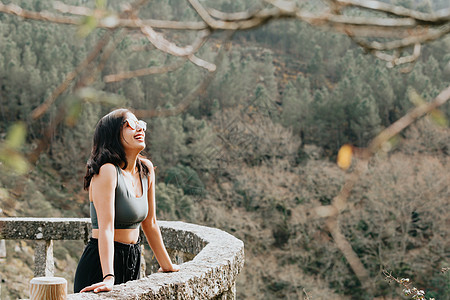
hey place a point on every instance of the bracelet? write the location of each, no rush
(108, 275)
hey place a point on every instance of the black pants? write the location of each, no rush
(127, 263)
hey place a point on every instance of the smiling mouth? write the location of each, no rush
(139, 137)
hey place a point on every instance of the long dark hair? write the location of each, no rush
(107, 146)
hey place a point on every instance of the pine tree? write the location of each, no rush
(296, 105)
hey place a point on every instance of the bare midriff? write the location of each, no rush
(126, 236)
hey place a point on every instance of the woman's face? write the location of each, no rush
(133, 133)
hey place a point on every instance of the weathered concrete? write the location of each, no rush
(2, 249)
(45, 229)
(43, 259)
(211, 274)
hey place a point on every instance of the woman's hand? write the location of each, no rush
(104, 286)
(173, 268)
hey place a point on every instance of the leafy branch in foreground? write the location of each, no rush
(408, 288)
(340, 202)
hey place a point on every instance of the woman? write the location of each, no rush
(121, 185)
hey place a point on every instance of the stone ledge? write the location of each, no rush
(211, 274)
(45, 228)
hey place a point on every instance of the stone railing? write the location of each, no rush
(217, 258)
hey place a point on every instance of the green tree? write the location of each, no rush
(167, 141)
(172, 204)
(296, 105)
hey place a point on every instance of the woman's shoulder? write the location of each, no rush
(147, 163)
(106, 177)
(107, 170)
(151, 169)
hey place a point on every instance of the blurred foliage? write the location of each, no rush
(344, 157)
(11, 157)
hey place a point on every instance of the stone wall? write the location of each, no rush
(211, 274)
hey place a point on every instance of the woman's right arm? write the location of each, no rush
(102, 193)
(151, 228)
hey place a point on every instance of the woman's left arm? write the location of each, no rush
(151, 228)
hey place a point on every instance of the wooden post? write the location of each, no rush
(48, 288)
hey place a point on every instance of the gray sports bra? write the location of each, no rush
(130, 211)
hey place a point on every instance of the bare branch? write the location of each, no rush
(427, 36)
(352, 258)
(407, 120)
(41, 16)
(161, 43)
(306, 294)
(41, 109)
(407, 28)
(126, 23)
(438, 17)
(107, 51)
(43, 143)
(144, 72)
(339, 203)
(408, 288)
(202, 63)
(370, 21)
(235, 16)
(109, 21)
(324, 211)
(184, 104)
(206, 17)
(255, 20)
(71, 9)
(326, 18)
(394, 60)
(165, 24)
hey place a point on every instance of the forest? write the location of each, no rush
(253, 154)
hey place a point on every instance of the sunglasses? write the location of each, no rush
(133, 124)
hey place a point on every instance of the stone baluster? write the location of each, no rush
(2, 243)
(44, 265)
(2, 249)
